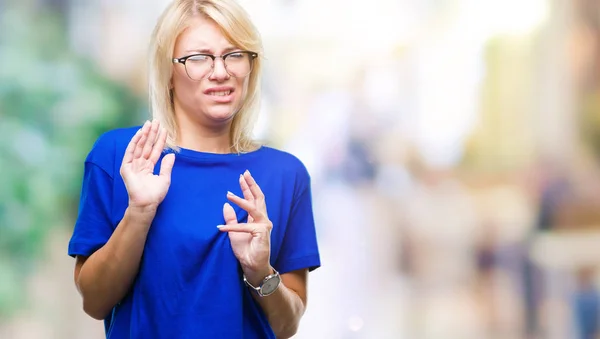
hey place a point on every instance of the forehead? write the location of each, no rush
(202, 34)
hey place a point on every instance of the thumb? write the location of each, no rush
(229, 215)
(166, 165)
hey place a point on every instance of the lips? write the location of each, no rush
(220, 94)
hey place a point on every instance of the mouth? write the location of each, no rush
(220, 94)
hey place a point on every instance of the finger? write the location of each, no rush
(246, 189)
(151, 139)
(229, 214)
(159, 145)
(166, 166)
(246, 205)
(137, 152)
(254, 213)
(241, 228)
(254, 188)
(128, 156)
(247, 193)
(259, 197)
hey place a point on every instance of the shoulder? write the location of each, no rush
(115, 137)
(109, 145)
(289, 165)
(284, 160)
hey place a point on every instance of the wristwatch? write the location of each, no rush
(268, 286)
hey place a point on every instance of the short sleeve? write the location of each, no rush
(299, 249)
(93, 226)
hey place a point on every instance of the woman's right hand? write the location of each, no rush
(145, 189)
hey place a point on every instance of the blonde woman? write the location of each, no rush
(173, 238)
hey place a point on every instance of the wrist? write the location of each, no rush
(256, 277)
(141, 213)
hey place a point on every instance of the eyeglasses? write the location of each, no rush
(238, 64)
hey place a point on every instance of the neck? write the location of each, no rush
(196, 136)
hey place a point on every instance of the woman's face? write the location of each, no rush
(214, 96)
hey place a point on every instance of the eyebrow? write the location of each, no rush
(209, 51)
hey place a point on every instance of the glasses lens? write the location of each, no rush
(239, 64)
(198, 66)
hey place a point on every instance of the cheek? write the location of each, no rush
(179, 77)
(186, 89)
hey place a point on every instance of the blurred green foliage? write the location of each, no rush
(53, 106)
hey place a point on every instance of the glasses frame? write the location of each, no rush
(183, 60)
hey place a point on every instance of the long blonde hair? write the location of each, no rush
(238, 29)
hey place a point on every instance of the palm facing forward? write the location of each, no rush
(145, 189)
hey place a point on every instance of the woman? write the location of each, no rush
(173, 238)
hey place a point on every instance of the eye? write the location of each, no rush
(198, 58)
(238, 55)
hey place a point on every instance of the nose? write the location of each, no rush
(219, 73)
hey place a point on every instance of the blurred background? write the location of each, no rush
(454, 147)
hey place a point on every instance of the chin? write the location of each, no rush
(222, 114)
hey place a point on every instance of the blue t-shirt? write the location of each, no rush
(189, 283)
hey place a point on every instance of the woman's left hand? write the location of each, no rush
(251, 241)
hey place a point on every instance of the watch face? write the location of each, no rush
(270, 285)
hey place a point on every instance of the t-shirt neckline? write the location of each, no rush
(186, 152)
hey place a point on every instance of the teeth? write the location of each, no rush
(221, 93)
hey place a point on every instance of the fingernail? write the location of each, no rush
(247, 172)
(229, 193)
(241, 177)
(220, 226)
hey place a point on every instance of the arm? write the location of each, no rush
(105, 277)
(285, 307)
